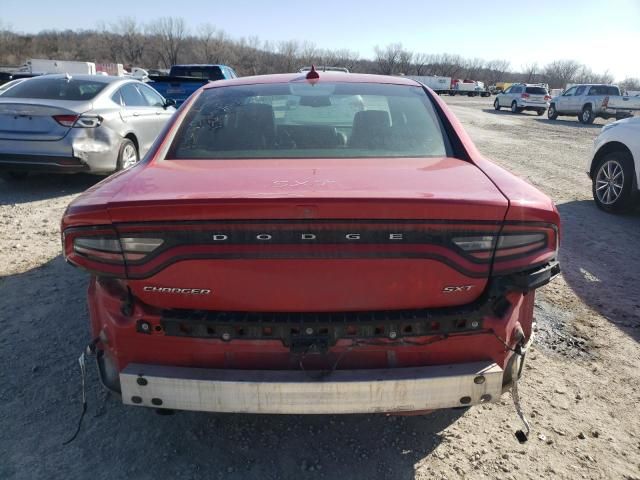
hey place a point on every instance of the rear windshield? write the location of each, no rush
(537, 90)
(210, 73)
(304, 120)
(56, 89)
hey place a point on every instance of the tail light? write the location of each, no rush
(547, 97)
(102, 251)
(605, 102)
(517, 247)
(66, 120)
(524, 95)
(78, 121)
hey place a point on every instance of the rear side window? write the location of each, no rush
(131, 97)
(210, 73)
(302, 120)
(537, 90)
(580, 90)
(153, 98)
(56, 88)
(604, 90)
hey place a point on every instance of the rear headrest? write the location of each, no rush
(371, 119)
(370, 129)
(257, 122)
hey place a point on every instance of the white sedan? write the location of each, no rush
(614, 167)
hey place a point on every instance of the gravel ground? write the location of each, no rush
(581, 386)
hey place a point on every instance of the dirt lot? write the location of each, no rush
(581, 387)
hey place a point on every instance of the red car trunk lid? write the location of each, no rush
(308, 235)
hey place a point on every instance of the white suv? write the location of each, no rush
(524, 96)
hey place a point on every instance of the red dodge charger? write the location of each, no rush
(312, 243)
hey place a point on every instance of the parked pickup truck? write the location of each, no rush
(183, 80)
(590, 101)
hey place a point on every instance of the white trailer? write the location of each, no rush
(470, 88)
(38, 66)
(113, 69)
(434, 82)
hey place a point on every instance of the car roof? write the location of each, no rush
(323, 77)
(93, 78)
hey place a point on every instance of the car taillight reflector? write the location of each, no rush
(547, 97)
(66, 120)
(525, 95)
(605, 102)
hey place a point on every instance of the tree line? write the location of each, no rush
(169, 40)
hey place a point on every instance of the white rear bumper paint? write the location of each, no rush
(298, 392)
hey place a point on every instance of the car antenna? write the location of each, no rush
(313, 74)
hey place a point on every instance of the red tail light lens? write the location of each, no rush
(605, 102)
(78, 121)
(547, 97)
(524, 95)
(98, 249)
(66, 120)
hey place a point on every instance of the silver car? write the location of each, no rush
(82, 123)
(524, 96)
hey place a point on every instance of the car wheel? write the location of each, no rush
(552, 113)
(514, 107)
(496, 104)
(128, 155)
(586, 116)
(613, 182)
(14, 176)
(540, 112)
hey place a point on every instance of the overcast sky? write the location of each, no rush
(604, 34)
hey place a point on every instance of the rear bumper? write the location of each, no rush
(299, 392)
(533, 105)
(42, 163)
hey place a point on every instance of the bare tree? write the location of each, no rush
(309, 54)
(473, 67)
(289, 52)
(170, 34)
(346, 58)
(405, 60)
(125, 36)
(630, 84)
(530, 70)
(495, 71)
(560, 72)
(388, 58)
(212, 44)
(420, 63)
(446, 65)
